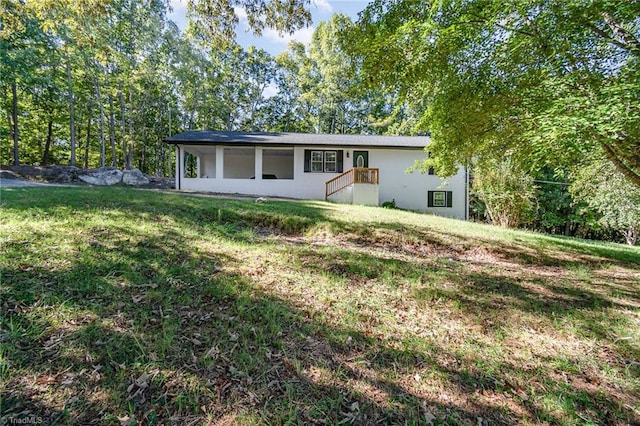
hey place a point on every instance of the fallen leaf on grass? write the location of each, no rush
(126, 421)
(214, 352)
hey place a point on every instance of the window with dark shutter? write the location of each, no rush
(307, 161)
(316, 161)
(439, 199)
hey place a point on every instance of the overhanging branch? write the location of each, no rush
(630, 173)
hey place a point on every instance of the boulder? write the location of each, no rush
(59, 174)
(134, 177)
(101, 177)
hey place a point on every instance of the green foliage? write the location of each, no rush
(506, 191)
(545, 81)
(218, 18)
(389, 204)
(608, 192)
(113, 81)
(558, 212)
(320, 87)
(133, 80)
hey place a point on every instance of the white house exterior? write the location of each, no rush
(300, 165)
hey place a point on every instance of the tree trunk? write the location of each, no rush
(631, 235)
(633, 174)
(143, 159)
(169, 111)
(9, 119)
(47, 146)
(190, 127)
(130, 133)
(160, 160)
(127, 165)
(112, 133)
(86, 145)
(288, 122)
(168, 164)
(14, 116)
(72, 114)
(102, 137)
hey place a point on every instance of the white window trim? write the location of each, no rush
(334, 162)
(319, 162)
(440, 203)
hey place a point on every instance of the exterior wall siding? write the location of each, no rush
(409, 190)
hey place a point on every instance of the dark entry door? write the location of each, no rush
(360, 158)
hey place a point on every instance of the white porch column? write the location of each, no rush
(258, 154)
(298, 163)
(178, 166)
(219, 162)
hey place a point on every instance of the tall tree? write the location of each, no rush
(260, 73)
(290, 111)
(545, 80)
(23, 47)
(335, 77)
(319, 88)
(218, 18)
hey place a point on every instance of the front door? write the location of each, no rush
(360, 159)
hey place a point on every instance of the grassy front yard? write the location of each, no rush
(123, 306)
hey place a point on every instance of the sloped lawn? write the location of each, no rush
(123, 306)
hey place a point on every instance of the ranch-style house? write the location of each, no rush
(357, 169)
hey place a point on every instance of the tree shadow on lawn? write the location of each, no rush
(104, 341)
(162, 334)
(587, 314)
(238, 215)
(529, 248)
(234, 217)
(500, 305)
(556, 295)
(181, 344)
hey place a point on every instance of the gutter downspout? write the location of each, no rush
(466, 193)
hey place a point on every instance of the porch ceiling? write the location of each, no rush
(201, 150)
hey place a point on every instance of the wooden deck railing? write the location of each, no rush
(351, 176)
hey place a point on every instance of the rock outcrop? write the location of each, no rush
(111, 176)
(101, 177)
(134, 177)
(72, 175)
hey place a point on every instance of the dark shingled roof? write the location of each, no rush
(209, 137)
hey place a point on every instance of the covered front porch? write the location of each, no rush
(220, 162)
(307, 166)
(244, 170)
(271, 171)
